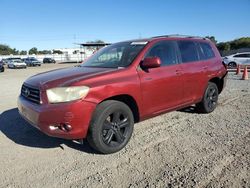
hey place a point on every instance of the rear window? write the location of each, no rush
(207, 51)
(188, 51)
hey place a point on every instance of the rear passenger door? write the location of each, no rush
(162, 87)
(194, 71)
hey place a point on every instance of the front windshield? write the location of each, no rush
(17, 61)
(116, 55)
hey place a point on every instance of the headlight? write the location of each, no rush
(66, 94)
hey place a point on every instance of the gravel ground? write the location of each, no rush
(178, 149)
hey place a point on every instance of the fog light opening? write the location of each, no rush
(65, 127)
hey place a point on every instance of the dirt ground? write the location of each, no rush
(178, 149)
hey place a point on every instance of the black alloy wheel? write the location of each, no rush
(209, 100)
(115, 128)
(111, 127)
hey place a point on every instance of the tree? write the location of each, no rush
(212, 38)
(5, 49)
(240, 43)
(15, 51)
(227, 47)
(57, 52)
(44, 52)
(33, 51)
(236, 44)
(23, 52)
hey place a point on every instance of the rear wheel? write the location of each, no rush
(111, 127)
(209, 100)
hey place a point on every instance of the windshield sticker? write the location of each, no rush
(139, 43)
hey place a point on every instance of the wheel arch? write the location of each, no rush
(219, 82)
(233, 62)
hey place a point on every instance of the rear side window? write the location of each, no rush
(188, 51)
(242, 55)
(165, 50)
(207, 51)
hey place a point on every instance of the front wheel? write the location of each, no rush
(111, 127)
(209, 100)
(232, 65)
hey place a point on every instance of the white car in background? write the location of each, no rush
(16, 63)
(237, 59)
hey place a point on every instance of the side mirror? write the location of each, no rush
(151, 62)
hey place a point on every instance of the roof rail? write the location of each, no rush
(180, 36)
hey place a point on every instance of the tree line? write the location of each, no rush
(6, 50)
(223, 47)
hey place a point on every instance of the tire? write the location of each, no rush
(209, 100)
(232, 64)
(111, 127)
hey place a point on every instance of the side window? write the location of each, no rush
(242, 55)
(188, 51)
(165, 50)
(207, 50)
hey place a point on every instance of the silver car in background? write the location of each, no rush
(237, 59)
(16, 63)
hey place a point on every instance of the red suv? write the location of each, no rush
(122, 84)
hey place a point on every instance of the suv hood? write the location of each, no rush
(65, 76)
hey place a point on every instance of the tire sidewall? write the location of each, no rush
(232, 64)
(205, 101)
(97, 122)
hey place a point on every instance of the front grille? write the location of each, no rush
(31, 94)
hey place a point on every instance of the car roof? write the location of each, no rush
(241, 53)
(172, 36)
(238, 54)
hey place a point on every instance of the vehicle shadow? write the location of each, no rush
(189, 109)
(19, 131)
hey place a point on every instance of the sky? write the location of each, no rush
(49, 24)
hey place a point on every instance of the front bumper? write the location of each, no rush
(36, 63)
(19, 66)
(76, 114)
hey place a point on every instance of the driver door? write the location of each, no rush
(162, 87)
